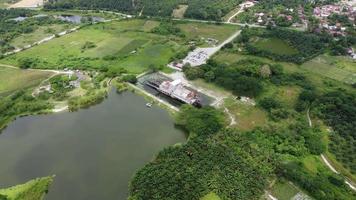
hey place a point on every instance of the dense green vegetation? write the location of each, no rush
(90, 98)
(223, 162)
(10, 29)
(306, 46)
(338, 110)
(32, 190)
(246, 77)
(20, 103)
(200, 9)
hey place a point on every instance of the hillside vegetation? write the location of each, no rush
(200, 9)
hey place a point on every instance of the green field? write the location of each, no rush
(283, 190)
(247, 116)
(317, 77)
(39, 34)
(126, 44)
(195, 31)
(14, 79)
(275, 45)
(338, 68)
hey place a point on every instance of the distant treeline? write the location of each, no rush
(199, 9)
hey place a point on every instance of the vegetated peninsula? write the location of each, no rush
(264, 92)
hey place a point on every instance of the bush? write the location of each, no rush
(130, 78)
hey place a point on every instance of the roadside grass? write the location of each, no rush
(180, 11)
(247, 117)
(337, 68)
(195, 31)
(275, 45)
(32, 190)
(39, 34)
(283, 190)
(211, 196)
(14, 79)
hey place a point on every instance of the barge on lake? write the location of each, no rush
(176, 90)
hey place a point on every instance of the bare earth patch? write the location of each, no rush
(179, 12)
(28, 4)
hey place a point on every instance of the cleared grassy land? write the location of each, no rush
(337, 68)
(247, 116)
(15, 79)
(113, 45)
(32, 190)
(199, 30)
(275, 45)
(283, 190)
(319, 79)
(116, 39)
(39, 34)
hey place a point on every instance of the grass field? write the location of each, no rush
(15, 79)
(199, 30)
(318, 78)
(283, 190)
(275, 45)
(112, 39)
(39, 34)
(247, 116)
(337, 68)
(127, 44)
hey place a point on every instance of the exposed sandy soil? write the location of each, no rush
(27, 4)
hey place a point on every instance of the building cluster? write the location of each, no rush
(324, 12)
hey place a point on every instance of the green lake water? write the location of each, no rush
(93, 153)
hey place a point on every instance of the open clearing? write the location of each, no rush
(195, 31)
(126, 44)
(27, 4)
(275, 45)
(337, 68)
(283, 190)
(39, 34)
(14, 79)
(179, 12)
(247, 116)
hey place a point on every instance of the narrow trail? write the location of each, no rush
(327, 163)
(237, 13)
